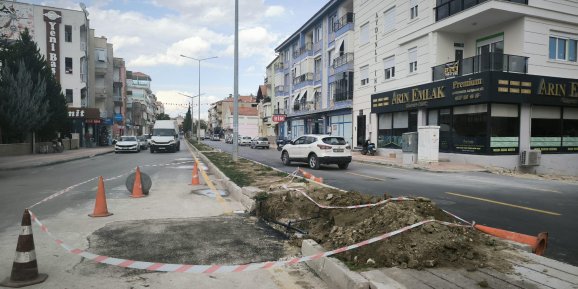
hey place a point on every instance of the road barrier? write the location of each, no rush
(137, 187)
(100, 207)
(195, 179)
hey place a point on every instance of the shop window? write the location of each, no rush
(445, 123)
(69, 96)
(470, 124)
(546, 129)
(570, 130)
(68, 65)
(384, 129)
(432, 117)
(505, 128)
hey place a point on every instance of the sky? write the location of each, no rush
(152, 34)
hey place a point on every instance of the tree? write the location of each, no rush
(187, 122)
(163, 116)
(203, 124)
(12, 55)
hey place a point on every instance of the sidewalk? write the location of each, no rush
(38, 160)
(435, 167)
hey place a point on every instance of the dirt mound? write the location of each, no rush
(430, 245)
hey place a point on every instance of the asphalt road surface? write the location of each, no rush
(521, 205)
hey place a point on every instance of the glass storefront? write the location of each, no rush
(554, 129)
(391, 126)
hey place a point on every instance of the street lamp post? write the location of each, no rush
(236, 87)
(199, 60)
(192, 123)
(83, 7)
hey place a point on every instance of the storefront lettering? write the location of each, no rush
(574, 89)
(418, 95)
(556, 89)
(467, 83)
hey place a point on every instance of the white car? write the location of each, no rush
(316, 150)
(260, 142)
(244, 140)
(127, 144)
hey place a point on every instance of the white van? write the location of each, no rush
(165, 136)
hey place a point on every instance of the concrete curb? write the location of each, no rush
(420, 168)
(55, 162)
(331, 270)
(243, 195)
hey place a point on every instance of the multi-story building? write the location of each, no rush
(221, 113)
(498, 77)
(61, 36)
(101, 84)
(265, 109)
(119, 96)
(141, 103)
(314, 76)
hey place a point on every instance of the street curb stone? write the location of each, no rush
(55, 162)
(331, 270)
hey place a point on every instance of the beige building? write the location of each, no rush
(221, 112)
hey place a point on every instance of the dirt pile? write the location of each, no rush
(430, 245)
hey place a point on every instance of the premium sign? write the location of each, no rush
(53, 20)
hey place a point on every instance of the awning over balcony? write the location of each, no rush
(297, 98)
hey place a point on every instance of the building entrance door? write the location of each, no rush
(360, 130)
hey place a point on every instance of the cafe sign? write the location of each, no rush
(279, 117)
(53, 20)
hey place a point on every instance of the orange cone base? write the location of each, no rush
(138, 196)
(100, 215)
(17, 284)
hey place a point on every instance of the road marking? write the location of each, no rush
(210, 184)
(516, 186)
(365, 176)
(505, 204)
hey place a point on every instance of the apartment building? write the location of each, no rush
(221, 114)
(265, 109)
(314, 74)
(119, 96)
(101, 83)
(499, 78)
(140, 103)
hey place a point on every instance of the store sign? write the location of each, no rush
(451, 69)
(84, 112)
(279, 117)
(53, 19)
(562, 89)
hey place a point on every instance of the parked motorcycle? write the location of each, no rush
(57, 145)
(368, 148)
(281, 143)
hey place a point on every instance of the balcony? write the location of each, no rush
(116, 98)
(100, 93)
(278, 67)
(481, 63)
(302, 80)
(343, 63)
(455, 6)
(343, 24)
(301, 52)
(267, 99)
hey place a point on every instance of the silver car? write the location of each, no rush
(260, 142)
(127, 144)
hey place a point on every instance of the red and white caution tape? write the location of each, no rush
(209, 269)
(61, 192)
(398, 199)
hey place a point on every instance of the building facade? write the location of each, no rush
(499, 78)
(141, 103)
(314, 74)
(221, 114)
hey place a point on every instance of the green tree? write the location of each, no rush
(30, 71)
(163, 116)
(203, 125)
(187, 122)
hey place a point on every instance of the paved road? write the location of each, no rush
(521, 205)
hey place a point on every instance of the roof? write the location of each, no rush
(248, 111)
(141, 76)
(262, 92)
(245, 98)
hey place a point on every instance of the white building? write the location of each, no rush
(499, 78)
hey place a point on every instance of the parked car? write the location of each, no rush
(244, 140)
(229, 138)
(215, 137)
(260, 142)
(316, 150)
(143, 142)
(127, 144)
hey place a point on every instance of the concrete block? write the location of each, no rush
(378, 280)
(331, 270)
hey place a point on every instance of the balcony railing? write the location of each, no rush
(480, 63)
(303, 78)
(303, 49)
(454, 6)
(343, 59)
(344, 20)
(279, 89)
(278, 67)
(342, 96)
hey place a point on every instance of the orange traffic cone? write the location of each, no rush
(100, 209)
(317, 179)
(137, 186)
(195, 180)
(538, 243)
(305, 174)
(25, 267)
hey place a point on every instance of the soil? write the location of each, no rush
(430, 245)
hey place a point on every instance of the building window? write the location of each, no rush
(317, 34)
(389, 66)
(563, 49)
(100, 55)
(391, 127)
(68, 33)
(364, 73)
(69, 96)
(389, 19)
(68, 65)
(413, 9)
(412, 57)
(470, 124)
(504, 128)
(364, 34)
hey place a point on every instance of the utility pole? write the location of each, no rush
(236, 88)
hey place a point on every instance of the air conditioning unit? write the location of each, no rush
(530, 157)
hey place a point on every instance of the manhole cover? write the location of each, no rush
(145, 179)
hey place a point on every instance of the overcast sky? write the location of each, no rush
(151, 34)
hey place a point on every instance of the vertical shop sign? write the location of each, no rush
(53, 20)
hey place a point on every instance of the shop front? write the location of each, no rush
(86, 125)
(488, 113)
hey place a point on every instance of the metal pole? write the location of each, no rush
(236, 88)
(199, 108)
